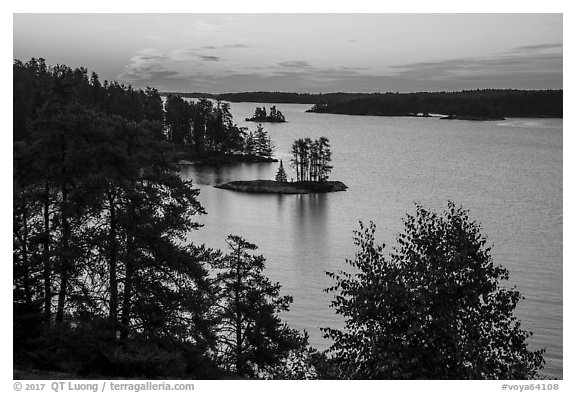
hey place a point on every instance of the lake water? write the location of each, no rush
(507, 173)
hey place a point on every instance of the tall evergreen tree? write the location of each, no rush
(281, 174)
(100, 210)
(252, 336)
(68, 132)
(263, 142)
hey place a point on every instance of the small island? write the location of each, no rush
(311, 161)
(261, 116)
(279, 187)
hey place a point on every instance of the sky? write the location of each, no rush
(315, 53)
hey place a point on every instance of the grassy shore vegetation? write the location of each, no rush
(106, 286)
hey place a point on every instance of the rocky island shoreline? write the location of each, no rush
(277, 187)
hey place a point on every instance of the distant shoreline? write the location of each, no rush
(486, 103)
(438, 116)
(473, 118)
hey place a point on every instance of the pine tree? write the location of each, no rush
(263, 143)
(100, 209)
(250, 144)
(252, 336)
(281, 174)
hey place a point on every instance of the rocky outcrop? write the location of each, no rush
(275, 187)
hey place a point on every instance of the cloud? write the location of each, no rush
(503, 70)
(294, 64)
(355, 68)
(190, 56)
(209, 58)
(539, 47)
(302, 70)
(305, 78)
(149, 63)
(227, 46)
(146, 64)
(318, 73)
(528, 67)
(515, 64)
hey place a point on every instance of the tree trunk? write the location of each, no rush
(130, 256)
(64, 253)
(64, 257)
(113, 247)
(125, 319)
(239, 355)
(25, 259)
(46, 257)
(129, 276)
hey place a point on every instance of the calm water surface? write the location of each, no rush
(507, 173)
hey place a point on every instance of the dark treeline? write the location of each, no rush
(204, 128)
(104, 283)
(190, 95)
(478, 103)
(35, 84)
(275, 97)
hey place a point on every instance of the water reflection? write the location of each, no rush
(310, 217)
(212, 175)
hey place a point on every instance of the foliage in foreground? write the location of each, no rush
(433, 309)
(86, 351)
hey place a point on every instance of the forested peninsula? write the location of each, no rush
(479, 104)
